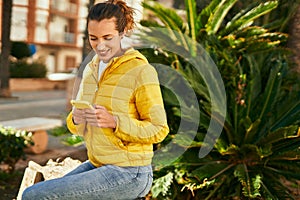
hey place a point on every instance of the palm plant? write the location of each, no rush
(280, 18)
(258, 148)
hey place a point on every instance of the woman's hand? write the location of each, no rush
(79, 116)
(100, 117)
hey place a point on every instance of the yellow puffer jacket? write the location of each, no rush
(130, 90)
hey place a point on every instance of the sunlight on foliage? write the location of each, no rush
(162, 185)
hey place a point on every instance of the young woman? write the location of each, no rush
(128, 116)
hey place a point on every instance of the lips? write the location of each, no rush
(103, 52)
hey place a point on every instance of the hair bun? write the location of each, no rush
(127, 11)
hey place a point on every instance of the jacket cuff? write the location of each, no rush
(70, 124)
(117, 124)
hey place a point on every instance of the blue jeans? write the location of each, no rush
(88, 182)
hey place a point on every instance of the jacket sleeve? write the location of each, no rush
(151, 126)
(74, 129)
(70, 124)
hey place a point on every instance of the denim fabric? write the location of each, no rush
(88, 182)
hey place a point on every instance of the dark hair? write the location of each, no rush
(113, 8)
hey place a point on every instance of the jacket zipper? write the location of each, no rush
(99, 81)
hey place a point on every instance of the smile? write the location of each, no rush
(103, 52)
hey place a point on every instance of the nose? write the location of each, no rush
(101, 45)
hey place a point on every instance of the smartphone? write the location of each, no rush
(81, 104)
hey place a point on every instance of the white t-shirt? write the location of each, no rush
(102, 66)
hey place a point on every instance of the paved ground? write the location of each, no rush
(51, 104)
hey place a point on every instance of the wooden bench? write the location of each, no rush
(38, 126)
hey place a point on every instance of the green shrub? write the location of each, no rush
(20, 50)
(12, 145)
(257, 151)
(21, 69)
(67, 137)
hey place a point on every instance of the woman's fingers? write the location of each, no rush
(79, 116)
(100, 117)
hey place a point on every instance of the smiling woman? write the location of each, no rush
(105, 39)
(126, 118)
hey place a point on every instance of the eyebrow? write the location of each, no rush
(101, 36)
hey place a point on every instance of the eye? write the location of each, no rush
(108, 38)
(93, 38)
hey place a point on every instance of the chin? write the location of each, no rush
(104, 59)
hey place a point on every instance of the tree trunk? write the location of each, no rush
(294, 39)
(86, 47)
(5, 48)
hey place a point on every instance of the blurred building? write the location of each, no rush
(54, 29)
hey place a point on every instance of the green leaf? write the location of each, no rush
(193, 26)
(246, 19)
(279, 134)
(168, 16)
(205, 13)
(287, 166)
(289, 116)
(271, 91)
(256, 42)
(251, 185)
(170, 19)
(148, 23)
(162, 185)
(211, 171)
(272, 185)
(73, 140)
(250, 31)
(215, 20)
(254, 88)
(252, 131)
(285, 145)
(184, 139)
(192, 18)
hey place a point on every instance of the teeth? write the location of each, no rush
(102, 52)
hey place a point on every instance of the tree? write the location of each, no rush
(85, 49)
(293, 42)
(20, 50)
(5, 48)
(258, 148)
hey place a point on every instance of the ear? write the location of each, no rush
(124, 32)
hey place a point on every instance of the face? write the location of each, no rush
(105, 39)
